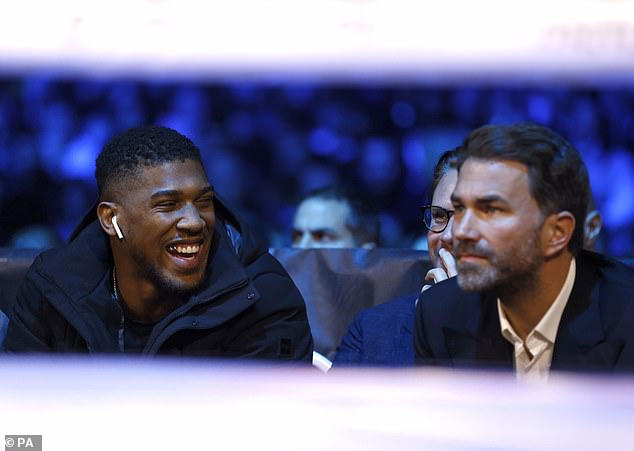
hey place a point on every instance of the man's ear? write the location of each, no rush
(557, 232)
(105, 212)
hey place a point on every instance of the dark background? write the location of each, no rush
(266, 144)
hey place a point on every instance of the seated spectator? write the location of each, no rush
(382, 335)
(335, 217)
(161, 266)
(527, 297)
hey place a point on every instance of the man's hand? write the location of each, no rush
(447, 269)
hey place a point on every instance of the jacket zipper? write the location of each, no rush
(153, 346)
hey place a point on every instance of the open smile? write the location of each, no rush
(186, 255)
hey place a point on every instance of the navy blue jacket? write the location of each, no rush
(596, 332)
(380, 336)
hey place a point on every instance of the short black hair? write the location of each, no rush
(128, 153)
(363, 220)
(558, 177)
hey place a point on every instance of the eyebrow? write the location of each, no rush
(328, 230)
(175, 193)
(491, 198)
(323, 229)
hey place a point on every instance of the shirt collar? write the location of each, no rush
(549, 324)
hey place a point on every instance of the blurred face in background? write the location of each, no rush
(321, 223)
(442, 198)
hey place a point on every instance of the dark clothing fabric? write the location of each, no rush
(380, 336)
(596, 332)
(247, 307)
(4, 325)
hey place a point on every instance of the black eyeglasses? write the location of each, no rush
(436, 218)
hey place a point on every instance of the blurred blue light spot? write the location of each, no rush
(403, 114)
(379, 163)
(79, 160)
(540, 109)
(413, 152)
(240, 126)
(391, 230)
(347, 151)
(323, 141)
(317, 176)
(299, 95)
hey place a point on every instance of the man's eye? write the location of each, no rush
(166, 205)
(205, 202)
(319, 236)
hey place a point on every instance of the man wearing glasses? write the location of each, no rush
(382, 335)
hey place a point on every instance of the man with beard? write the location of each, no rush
(526, 296)
(162, 265)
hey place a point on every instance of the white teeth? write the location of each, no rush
(189, 249)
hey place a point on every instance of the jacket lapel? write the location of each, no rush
(580, 342)
(477, 342)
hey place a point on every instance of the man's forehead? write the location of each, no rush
(174, 176)
(494, 175)
(317, 213)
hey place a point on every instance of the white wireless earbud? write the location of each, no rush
(116, 227)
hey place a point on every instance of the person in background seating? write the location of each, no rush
(382, 335)
(334, 217)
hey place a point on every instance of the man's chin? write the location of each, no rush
(182, 286)
(473, 282)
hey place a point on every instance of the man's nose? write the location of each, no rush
(464, 227)
(303, 242)
(191, 220)
(447, 235)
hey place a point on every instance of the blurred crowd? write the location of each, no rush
(265, 145)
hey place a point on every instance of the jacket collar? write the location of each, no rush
(476, 340)
(81, 275)
(580, 330)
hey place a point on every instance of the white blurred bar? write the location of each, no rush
(567, 40)
(104, 404)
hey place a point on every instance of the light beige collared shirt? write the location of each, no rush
(540, 342)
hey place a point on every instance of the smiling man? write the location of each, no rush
(527, 296)
(164, 267)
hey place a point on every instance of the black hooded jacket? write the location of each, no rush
(248, 306)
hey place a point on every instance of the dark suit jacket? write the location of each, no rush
(380, 336)
(596, 332)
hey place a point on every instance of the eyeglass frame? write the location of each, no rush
(449, 214)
